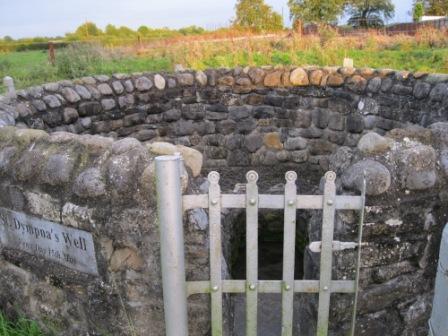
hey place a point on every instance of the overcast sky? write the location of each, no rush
(25, 18)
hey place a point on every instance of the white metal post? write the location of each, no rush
(10, 89)
(169, 200)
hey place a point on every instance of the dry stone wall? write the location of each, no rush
(94, 185)
(239, 117)
(80, 155)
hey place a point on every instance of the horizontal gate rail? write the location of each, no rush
(238, 201)
(271, 286)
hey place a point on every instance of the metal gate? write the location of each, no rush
(176, 289)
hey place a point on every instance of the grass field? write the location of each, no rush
(427, 51)
(21, 327)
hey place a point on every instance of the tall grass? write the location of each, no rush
(426, 51)
(22, 327)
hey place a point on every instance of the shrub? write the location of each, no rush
(79, 60)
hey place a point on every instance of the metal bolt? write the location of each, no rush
(214, 202)
(287, 287)
(325, 288)
(291, 203)
(252, 287)
(330, 202)
(252, 201)
(215, 288)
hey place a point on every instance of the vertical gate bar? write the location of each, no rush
(169, 201)
(358, 259)
(326, 253)
(251, 253)
(214, 195)
(289, 241)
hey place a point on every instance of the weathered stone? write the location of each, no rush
(378, 177)
(39, 105)
(58, 169)
(299, 77)
(105, 89)
(23, 110)
(256, 75)
(126, 101)
(118, 87)
(357, 83)
(336, 137)
(36, 92)
(320, 118)
(102, 78)
(374, 85)
(159, 82)
(6, 155)
(89, 108)
(226, 81)
(185, 79)
(336, 121)
(193, 111)
(373, 143)
(418, 167)
(145, 134)
(355, 123)
(402, 90)
(273, 79)
(89, 184)
(201, 78)
(70, 95)
(335, 79)
(226, 126)
(143, 84)
(70, 115)
(193, 159)
(239, 112)
(172, 115)
(52, 87)
(52, 101)
(83, 92)
(108, 104)
(421, 89)
(295, 143)
(129, 87)
(439, 92)
(126, 258)
(299, 156)
(253, 142)
(272, 140)
(316, 77)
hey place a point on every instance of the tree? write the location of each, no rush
(111, 30)
(436, 7)
(418, 11)
(256, 15)
(316, 11)
(88, 30)
(369, 13)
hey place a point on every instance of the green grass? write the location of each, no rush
(32, 67)
(22, 327)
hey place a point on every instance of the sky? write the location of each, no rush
(29, 18)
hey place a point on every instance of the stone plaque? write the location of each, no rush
(67, 246)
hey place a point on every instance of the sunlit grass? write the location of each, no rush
(427, 51)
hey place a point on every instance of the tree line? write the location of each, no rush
(253, 15)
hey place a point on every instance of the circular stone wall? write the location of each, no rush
(79, 153)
